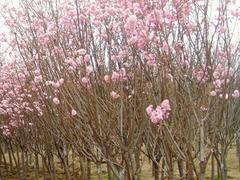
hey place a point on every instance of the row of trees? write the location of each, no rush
(109, 82)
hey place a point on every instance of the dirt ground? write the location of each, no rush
(146, 173)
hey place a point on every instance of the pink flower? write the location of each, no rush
(107, 78)
(82, 52)
(122, 74)
(89, 70)
(131, 19)
(87, 58)
(73, 112)
(56, 101)
(170, 76)
(119, 76)
(56, 85)
(37, 72)
(165, 105)
(115, 76)
(38, 79)
(149, 109)
(85, 80)
(165, 46)
(216, 75)
(160, 113)
(226, 96)
(61, 81)
(6, 130)
(131, 24)
(114, 95)
(235, 93)
(217, 83)
(156, 116)
(222, 29)
(213, 93)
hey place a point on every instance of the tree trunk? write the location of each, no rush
(156, 171)
(238, 151)
(202, 151)
(109, 171)
(223, 168)
(212, 167)
(36, 166)
(180, 168)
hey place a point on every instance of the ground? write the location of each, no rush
(233, 170)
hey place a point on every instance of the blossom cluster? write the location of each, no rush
(161, 112)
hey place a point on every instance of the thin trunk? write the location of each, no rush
(223, 168)
(43, 168)
(138, 165)
(213, 167)
(238, 151)
(84, 168)
(24, 175)
(18, 162)
(156, 171)
(99, 170)
(180, 168)
(88, 168)
(10, 159)
(202, 151)
(189, 169)
(163, 169)
(73, 161)
(36, 166)
(4, 159)
(52, 166)
(109, 171)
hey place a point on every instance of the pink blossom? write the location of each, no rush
(131, 19)
(119, 76)
(114, 95)
(213, 93)
(156, 116)
(122, 74)
(131, 23)
(6, 130)
(115, 76)
(89, 70)
(217, 83)
(82, 52)
(160, 113)
(165, 105)
(56, 85)
(226, 96)
(73, 112)
(222, 29)
(37, 72)
(165, 46)
(49, 83)
(38, 79)
(2, 111)
(85, 80)
(216, 75)
(87, 58)
(235, 93)
(149, 109)
(107, 78)
(170, 76)
(56, 101)
(61, 81)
